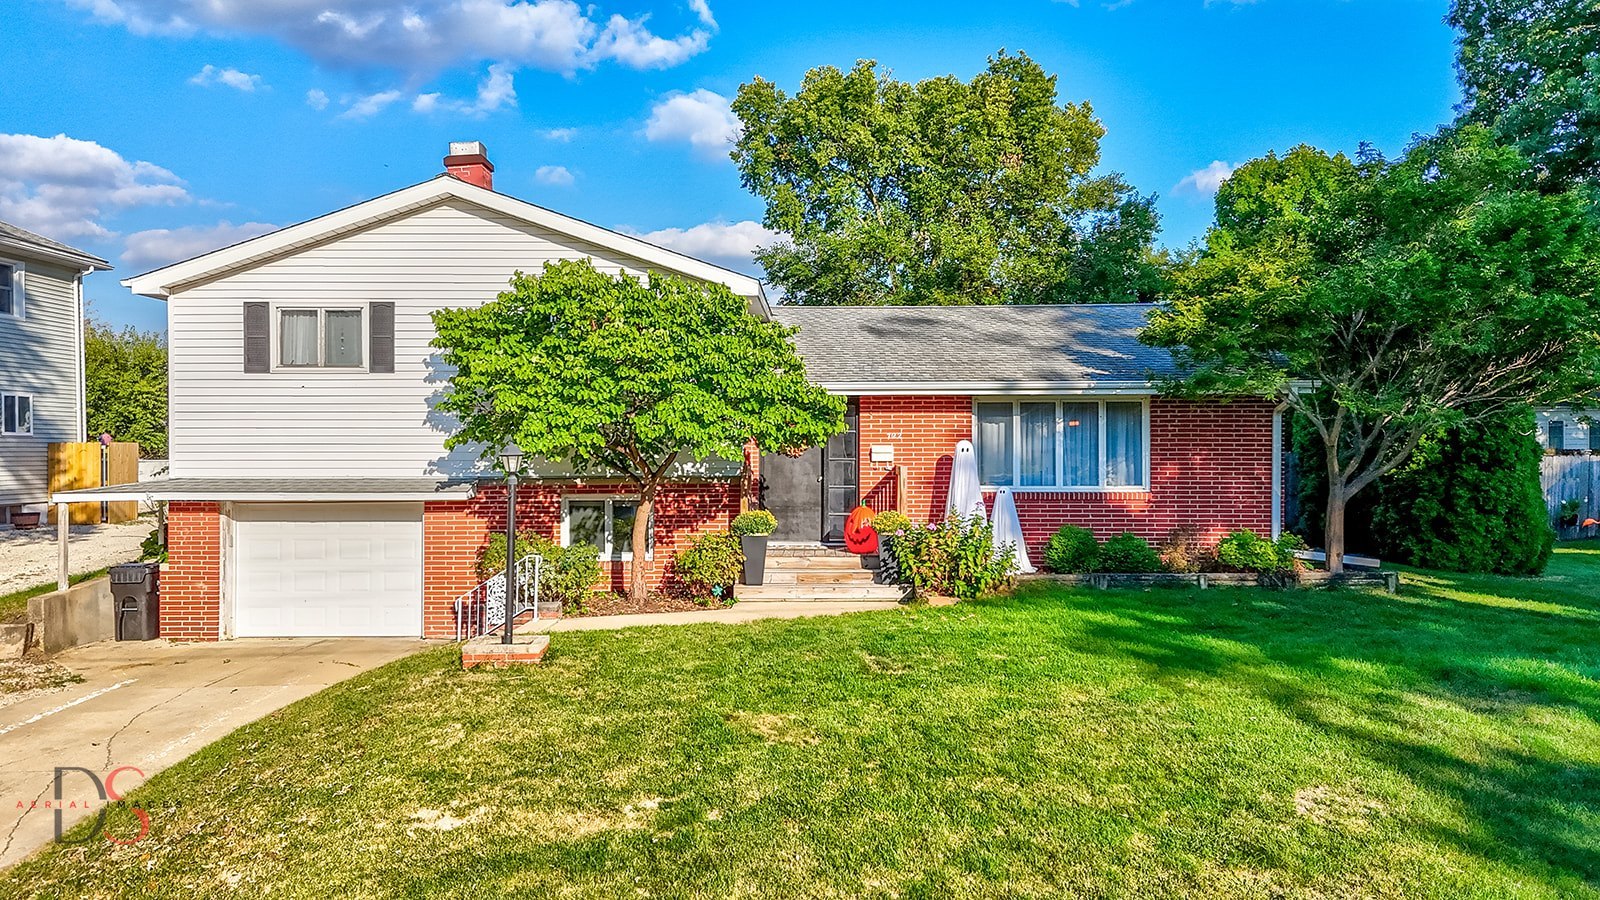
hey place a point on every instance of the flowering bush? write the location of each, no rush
(891, 522)
(568, 574)
(955, 558)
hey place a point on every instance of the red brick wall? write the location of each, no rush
(191, 581)
(1211, 467)
(453, 531)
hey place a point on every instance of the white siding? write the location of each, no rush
(40, 355)
(224, 422)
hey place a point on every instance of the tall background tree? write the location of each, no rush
(621, 377)
(125, 374)
(941, 192)
(1391, 301)
(1530, 70)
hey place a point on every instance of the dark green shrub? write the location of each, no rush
(709, 566)
(567, 575)
(1469, 500)
(1127, 552)
(955, 558)
(753, 522)
(1072, 550)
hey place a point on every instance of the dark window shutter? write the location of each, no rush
(257, 337)
(380, 332)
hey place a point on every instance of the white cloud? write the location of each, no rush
(562, 135)
(703, 10)
(160, 246)
(1205, 181)
(317, 99)
(630, 42)
(229, 77)
(63, 187)
(702, 119)
(423, 37)
(730, 244)
(369, 105)
(555, 176)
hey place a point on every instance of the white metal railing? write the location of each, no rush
(483, 609)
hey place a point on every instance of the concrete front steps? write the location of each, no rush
(817, 573)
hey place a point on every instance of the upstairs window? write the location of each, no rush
(1062, 444)
(1558, 435)
(10, 289)
(16, 414)
(320, 338)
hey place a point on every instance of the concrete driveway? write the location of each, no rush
(149, 705)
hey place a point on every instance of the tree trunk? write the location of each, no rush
(1333, 537)
(639, 570)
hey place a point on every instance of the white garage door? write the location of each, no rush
(327, 569)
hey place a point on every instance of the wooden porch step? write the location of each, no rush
(844, 563)
(819, 576)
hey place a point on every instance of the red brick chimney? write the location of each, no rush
(469, 161)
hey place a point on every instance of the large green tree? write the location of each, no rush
(1530, 69)
(941, 191)
(623, 377)
(125, 374)
(1392, 300)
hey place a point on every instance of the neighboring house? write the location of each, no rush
(1568, 430)
(41, 360)
(310, 492)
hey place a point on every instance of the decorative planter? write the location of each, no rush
(754, 548)
(25, 519)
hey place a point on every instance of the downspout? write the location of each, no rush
(83, 363)
(1277, 469)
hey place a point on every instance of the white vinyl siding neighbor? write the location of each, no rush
(1066, 444)
(41, 362)
(308, 421)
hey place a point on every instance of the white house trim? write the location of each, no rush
(161, 282)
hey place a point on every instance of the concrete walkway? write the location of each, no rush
(731, 615)
(150, 705)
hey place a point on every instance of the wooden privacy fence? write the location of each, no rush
(89, 464)
(1571, 478)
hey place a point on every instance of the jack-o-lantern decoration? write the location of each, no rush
(858, 534)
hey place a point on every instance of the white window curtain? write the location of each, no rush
(1081, 444)
(1124, 444)
(342, 337)
(1037, 423)
(994, 443)
(297, 338)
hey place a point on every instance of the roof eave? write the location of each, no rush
(80, 260)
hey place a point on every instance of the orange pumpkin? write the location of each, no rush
(858, 534)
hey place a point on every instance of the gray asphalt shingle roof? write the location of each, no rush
(24, 236)
(1092, 344)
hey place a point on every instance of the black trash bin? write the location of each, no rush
(135, 598)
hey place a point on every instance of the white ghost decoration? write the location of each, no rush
(966, 497)
(1008, 531)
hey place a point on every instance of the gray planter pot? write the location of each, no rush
(754, 547)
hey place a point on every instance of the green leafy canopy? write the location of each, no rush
(940, 192)
(125, 386)
(617, 375)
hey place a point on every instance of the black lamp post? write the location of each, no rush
(511, 464)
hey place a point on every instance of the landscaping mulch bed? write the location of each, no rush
(620, 605)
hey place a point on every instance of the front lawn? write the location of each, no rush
(1226, 743)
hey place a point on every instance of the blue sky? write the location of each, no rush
(187, 124)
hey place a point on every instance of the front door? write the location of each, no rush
(813, 493)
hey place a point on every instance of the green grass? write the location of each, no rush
(14, 606)
(1168, 743)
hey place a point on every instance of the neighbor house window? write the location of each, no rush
(10, 289)
(1558, 435)
(1594, 436)
(319, 338)
(16, 414)
(1062, 444)
(604, 523)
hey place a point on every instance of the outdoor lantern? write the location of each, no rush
(511, 459)
(511, 464)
